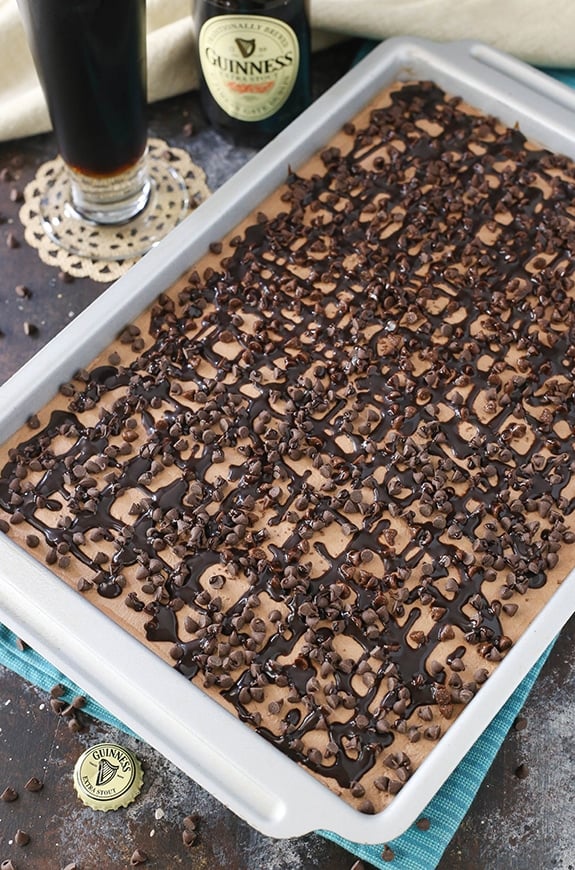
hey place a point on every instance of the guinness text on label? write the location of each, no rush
(248, 68)
(250, 64)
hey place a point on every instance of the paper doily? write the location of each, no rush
(104, 240)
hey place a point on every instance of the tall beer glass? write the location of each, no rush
(90, 56)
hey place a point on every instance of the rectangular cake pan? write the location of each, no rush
(240, 768)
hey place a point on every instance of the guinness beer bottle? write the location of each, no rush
(254, 58)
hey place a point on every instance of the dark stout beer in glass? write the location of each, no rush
(90, 56)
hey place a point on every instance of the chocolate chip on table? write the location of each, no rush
(29, 328)
(138, 857)
(21, 838)
(23, 291)
(57, 706)
(189, 838)
(34, 784)
(522, 771)
(388, 854)
(520, 723)
(9, 794)
(58, 690)
(12, 240)
(191, 822)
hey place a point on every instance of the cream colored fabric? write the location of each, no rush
(534, 30)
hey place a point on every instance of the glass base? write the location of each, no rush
(113, 199)
(167, 205)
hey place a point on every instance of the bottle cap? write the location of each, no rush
(107, 776)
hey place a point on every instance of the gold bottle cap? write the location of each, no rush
(107, 776)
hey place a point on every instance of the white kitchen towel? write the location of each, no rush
(542, 33)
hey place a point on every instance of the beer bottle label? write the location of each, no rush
(249, 63)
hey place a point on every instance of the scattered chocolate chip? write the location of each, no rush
(388, 854)
(34, 784)
(57, 706)
(191, 822)
(423, 823)
(21, 838)
(138, 857)
(189, 838)
(522, 771)
(9, 794)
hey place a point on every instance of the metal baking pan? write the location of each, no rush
(240, 768)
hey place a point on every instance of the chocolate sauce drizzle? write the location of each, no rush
(383, 372)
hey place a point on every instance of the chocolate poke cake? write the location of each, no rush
(328, 475)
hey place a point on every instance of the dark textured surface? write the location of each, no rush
(515, 822)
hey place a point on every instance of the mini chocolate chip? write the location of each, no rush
(522, 771)
(29, 328)
(423, 823)
(388, 854)
(9, 794)
(34, 784)
(57, 690)
(366, 806)
(21, 838)
(191, 822)
(138, 857)
(189, 838)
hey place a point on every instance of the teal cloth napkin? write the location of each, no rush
(415, 849)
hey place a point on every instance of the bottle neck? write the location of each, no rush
(241, 6)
